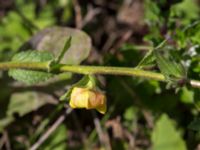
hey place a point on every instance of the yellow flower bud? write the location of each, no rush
(89, 99)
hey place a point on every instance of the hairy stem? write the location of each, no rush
(112, 71)
(44, 66)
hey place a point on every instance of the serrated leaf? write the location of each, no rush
(172, 70)
(165, 136)
(29, 76)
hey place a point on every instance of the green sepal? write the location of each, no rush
(88, 81)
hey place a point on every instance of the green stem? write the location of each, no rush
(111, 71)
(24, 65)
(143, 47)
(44, 66)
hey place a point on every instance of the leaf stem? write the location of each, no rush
(104, 70)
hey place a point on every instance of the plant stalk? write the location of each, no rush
(104, 70)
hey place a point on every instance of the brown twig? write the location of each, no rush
(78, 15)
(103, 137)
(91, 13)
(126, 36)
(45, 136)
(7, 141)
(2, 141)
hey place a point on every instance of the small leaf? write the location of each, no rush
(148, 60)
(130, 113)
(195, 125)
(172, 70)
(165, 136)
(29, 76)
(187, 95)
(64, 50)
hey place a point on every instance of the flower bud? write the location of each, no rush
(89, 99)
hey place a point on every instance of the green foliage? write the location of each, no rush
(192, 32)
(152, 12)
(22, 106)
(148, 60)
(21, 23)
(11, 26)
(165, 136)
(26, 102)
(187, 95)
(33, 77)
(172, 70)
(134, 104)
(187, 10)
(53, 39)
(195, 125)
(30, 76)
(64, 50)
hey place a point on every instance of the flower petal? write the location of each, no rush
(89, 99)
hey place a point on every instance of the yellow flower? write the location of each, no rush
(89, 99)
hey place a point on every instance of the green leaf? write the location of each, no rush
(130, 113)
(195, 125)
(25, 102)
(21, 104)
(187, 95)
(12, 26)
(29, 76)
(53, 39)
(148, 60)
(187, 11)
(192, 32)
(64, 50)
(152, 11)
(172, 70)
(165, 136)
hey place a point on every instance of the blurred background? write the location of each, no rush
(142, 114)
